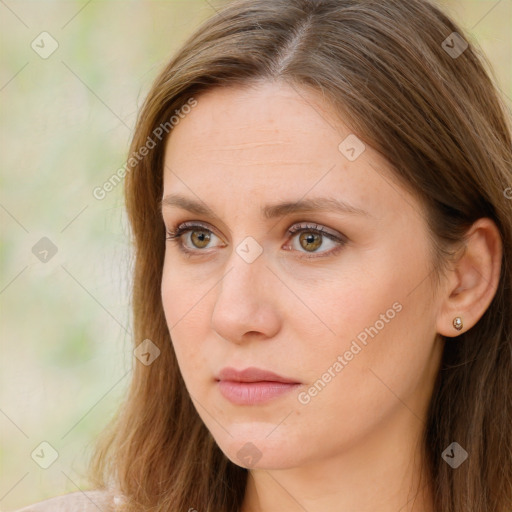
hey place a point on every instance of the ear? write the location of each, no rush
(473, 281)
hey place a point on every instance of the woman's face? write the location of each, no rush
(347, 316)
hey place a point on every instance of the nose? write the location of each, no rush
(247, 301)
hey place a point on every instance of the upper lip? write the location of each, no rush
(252, 374)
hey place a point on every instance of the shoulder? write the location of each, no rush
(87, 501)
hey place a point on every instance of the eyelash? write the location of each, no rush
(175, 235)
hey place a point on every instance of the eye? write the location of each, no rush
(200, 236)
(311, 237)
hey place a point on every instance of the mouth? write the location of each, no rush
(253, 386)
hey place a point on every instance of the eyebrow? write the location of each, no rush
(270, 211)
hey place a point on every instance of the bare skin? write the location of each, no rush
(354, 444)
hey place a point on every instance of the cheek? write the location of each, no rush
(348, 301)
(186, 312)
(184, 292)
(389, 372)
(380, 322)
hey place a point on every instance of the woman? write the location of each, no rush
(320, 197)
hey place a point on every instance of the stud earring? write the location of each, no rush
(457, 323)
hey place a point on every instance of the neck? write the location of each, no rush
(385, 472)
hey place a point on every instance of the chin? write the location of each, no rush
(250, 446)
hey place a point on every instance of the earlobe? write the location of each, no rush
(473, 280)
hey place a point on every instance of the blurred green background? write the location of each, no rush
(66, 121)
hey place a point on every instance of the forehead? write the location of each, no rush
(268, 123)
(265, 141)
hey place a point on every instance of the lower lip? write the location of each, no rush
(251, 393)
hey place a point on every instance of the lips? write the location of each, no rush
(253, 386)
(252, 374)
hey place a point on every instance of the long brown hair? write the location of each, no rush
(408, 87)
